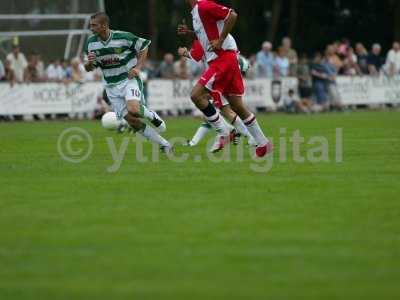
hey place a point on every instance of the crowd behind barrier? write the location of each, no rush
(324, 81)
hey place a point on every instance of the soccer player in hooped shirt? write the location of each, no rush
(197, 54)
(121, 55)
(212, 24)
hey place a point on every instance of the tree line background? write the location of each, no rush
(311, 24)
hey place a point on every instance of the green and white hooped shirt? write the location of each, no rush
(117, 55)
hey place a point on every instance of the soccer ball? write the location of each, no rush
(110, 121)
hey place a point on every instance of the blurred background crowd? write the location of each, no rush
(339, 58)
(316, 74)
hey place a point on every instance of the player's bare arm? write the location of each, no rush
(90, 65)
(228, 26)
(184, 30)
(142, 56)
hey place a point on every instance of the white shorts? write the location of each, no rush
(124, 91)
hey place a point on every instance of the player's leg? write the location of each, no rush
(134, 91)
(142, 128)
(234, 119)
(249, 119)
(134, 110)
(234, 89)
(201, 132)
(148, 132)
(200, 96)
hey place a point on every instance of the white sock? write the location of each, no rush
(153, 136)
(146, 113)
(219, 123)
(200, 134)
(228, 125)
(124, 122)
(241, 128)
(255, 130)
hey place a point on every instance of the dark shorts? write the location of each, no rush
(305, 92)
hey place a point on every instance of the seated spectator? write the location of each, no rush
(2, 72)
(182, 68)
(166, 69)
(393, 60)
(265, 61)
(320, 79)
(18, 63)
(55, 71)
(375, 60)
(281, 64)
(293, 104)
(291, 54)
(350, 66)
(31, 73)
(362, 58)
(305, 79)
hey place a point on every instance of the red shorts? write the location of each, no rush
(218, 100)
(223, 75)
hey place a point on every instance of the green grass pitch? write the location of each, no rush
(202, 230)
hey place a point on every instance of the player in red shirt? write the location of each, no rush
(212, 24)
(197, 54)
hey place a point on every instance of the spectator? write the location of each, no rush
(67, 70)
(265, 61)
(332, 58)
(375, 60)
(320, 78)
(40, 67)
(350, 66)
(196, 68)
(393, 60)
(342, 48)
(9, 72)
(77, 74)
(291, 54)
(253, 70)
(362, 58)
(293, 104)
(182, 68)
(331, 85)
(305, 79)
(149, 69)
(55, 71)
(31, 73)
(18, 63)
(167, 67)
(2, 72)
(281, 64)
